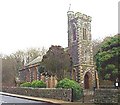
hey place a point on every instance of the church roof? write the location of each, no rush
(66, 49)
(36, 60)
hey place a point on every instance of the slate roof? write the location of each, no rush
(36, 60)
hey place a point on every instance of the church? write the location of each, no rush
(81, 50)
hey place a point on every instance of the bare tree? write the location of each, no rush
(15, 61)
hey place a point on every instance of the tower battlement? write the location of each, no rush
(72, 15)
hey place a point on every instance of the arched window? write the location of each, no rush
(84, 34)
(74, 74)
(86, 56)
(74, 32)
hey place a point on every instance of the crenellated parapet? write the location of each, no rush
(78, 15)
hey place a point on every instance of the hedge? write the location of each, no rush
(34, 84)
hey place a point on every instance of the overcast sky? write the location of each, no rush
(38, 23)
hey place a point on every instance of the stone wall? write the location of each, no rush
(119, 96)
(107, 96)
(53, 93)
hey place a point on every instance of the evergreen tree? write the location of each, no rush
(107, 58)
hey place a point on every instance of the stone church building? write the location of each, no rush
(80, 49)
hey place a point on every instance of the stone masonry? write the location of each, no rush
(52, 93)
(80, 49)
(107, 96)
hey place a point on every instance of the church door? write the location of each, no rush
(87, 80)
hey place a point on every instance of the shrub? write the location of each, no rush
(77, 90)
(38, 84)
(26, 84)
(33, 84)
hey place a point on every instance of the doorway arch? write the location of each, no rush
(87, 80)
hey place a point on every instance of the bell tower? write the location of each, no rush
(80, 49)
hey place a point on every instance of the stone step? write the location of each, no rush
(87, 99)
